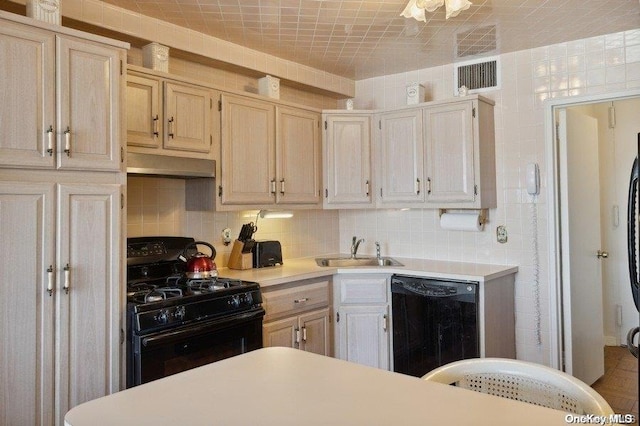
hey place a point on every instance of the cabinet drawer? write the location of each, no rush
(363, 289)
(292, 300)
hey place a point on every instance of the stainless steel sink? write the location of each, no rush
(341, 262)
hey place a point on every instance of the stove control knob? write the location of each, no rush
(248, 298)
(180, 313)
(163, 316)
(234, 301)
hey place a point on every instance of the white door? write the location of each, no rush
(582, 270)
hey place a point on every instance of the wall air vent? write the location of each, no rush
(479, 75)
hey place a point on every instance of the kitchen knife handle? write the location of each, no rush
(367, 186)
(418, 186)
(155, 125)
(67, 142)
(50, 141)
(282, 186)
(67, 278)
(50, 280)
(273, 186)
(171, 120)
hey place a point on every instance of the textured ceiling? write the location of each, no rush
(365, 38)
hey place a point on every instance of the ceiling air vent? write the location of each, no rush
(480, 75)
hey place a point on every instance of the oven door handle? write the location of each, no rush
(213, 325)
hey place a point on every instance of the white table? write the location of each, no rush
(281, 386)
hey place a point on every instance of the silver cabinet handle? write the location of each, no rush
(273, 186)
(384, 322)
(155, 125)
(602, 254)
(50, 280)
(297, 331)
(367, 187)
(50, 136)
(418, 186)
(67, 278)
(67, 142)
(428, 185)
(171, 121)
(304, 334)
(282, 186)
(302, 300)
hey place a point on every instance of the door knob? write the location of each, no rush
(602, 254)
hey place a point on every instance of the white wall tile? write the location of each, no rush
(606, 64)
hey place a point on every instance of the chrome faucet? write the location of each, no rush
(355, 243)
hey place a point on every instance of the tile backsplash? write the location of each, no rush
(156, 207)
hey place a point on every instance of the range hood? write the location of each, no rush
(172, 167)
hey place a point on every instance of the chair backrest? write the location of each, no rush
(522, 381)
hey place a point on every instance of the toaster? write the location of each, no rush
(267, 253)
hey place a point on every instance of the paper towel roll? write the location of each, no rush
(461, 221)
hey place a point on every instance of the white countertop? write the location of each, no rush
(283, 386)
(303, 268)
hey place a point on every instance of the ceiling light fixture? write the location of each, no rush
(415, 8)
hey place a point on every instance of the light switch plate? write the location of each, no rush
(501, 234)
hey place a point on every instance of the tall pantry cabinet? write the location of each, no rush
(62, 183)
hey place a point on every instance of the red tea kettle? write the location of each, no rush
(199, 265)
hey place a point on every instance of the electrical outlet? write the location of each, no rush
(501, 234)
(226, 236)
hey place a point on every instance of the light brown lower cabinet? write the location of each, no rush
(59, 299)
(298, 315)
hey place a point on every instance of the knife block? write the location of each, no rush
(238, 259)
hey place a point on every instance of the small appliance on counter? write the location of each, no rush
(267, 253)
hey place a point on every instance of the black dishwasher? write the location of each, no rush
(434, 322)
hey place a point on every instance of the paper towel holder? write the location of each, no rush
(483, 213)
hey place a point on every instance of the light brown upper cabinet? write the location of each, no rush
(167, 117)
(60, 104)
(460, 154)
(401, 157)
(270, 154)
(437, 155)
(347, 160)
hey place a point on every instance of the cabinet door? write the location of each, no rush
(298, 156)
(363, 335)
(348, 159)
(88, 93)
(402, 157)
(280, 333)
(248, 169)
(144, 124)
(187, 119)
(27, 108)
(26, 309)
(449, 152)
(88, 326)
(314, 328)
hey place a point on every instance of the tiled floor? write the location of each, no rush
(619, 385)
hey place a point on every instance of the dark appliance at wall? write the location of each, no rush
(633, 241)
(434, 322)
(267, 253)
(178, 319)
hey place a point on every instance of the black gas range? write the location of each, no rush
(175, 323)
